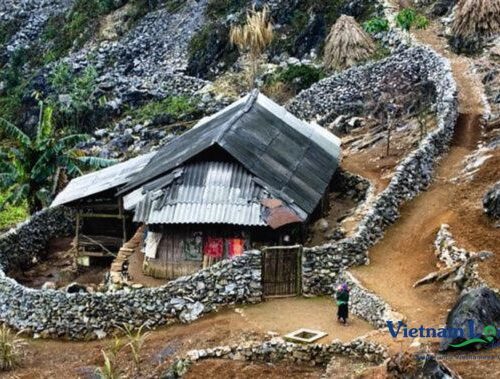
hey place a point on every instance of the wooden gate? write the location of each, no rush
(282, 271)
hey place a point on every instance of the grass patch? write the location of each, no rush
(174, 106)
(10, 215)
(74, 29)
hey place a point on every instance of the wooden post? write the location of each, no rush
(124, 220)
(77, 234)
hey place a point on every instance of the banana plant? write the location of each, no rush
(31, 168)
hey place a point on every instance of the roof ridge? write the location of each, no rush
(252, 98)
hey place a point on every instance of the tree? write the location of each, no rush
(32, 167)
(408, 19)
(253, 38)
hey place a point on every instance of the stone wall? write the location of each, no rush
(51, 313)
(366, 304)
(322, 264)
(278, 350)
(23, 246)
(452, 256)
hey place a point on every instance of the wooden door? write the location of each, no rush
(281, 271)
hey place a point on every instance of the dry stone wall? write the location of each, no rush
(322, 264)
(52, 313)
(278, 350)
(25, 245)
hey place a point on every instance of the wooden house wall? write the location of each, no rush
(171, 262)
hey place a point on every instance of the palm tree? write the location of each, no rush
(32, 168)
(253, 38)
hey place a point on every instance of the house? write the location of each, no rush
(102, 225)
(251, 175)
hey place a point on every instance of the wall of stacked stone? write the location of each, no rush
(278, 350)
(450, 255)
(26, 244)
(366, 304)
(52, 313)
(322, 264)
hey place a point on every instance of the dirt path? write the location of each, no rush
(406, 252)
(57, 359)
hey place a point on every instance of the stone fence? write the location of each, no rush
(367, 305)
(25, 245)
(278, 350)
(52, 313)
(322, 264)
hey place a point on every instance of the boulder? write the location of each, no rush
(434, 369)
(481, 307)
(491, 202)
(76, 288)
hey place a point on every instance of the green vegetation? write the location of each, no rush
(75, 28)
(299, 77)
(10, 349)
(109, 369)
(376, 25)
(175, 106)
(7, 30)
(409, 18)
(136, 339)
(32, 169)
(12, 215)
(15, 85)
(285, 83)
(221, 8)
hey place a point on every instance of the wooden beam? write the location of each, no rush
(77, 232)
(103, 215)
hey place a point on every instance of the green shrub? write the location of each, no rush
(174, 106)
(298, 77)
(376, 25)
(409, 18)
(10, 349)
(7, 30)
(15, 84)
(80, 108)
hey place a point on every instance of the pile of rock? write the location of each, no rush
(355, 92)
(491, 202)
(52, 313)
(30, 16)
(460, 265)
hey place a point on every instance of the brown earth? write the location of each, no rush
(58, 359)
(218, 368)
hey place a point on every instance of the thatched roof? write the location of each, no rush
(476, 17)
(347, 44)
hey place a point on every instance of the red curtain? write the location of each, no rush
(236, 246)
(214, 247)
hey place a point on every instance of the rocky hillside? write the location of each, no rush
(102, 63)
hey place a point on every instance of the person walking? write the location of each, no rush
(342, 297)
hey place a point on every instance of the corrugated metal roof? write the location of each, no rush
(291, 158)
(205, 192)
(102, 180)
